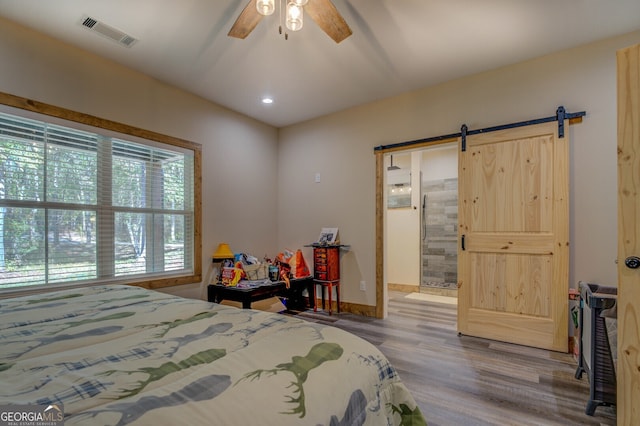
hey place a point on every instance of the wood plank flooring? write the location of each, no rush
(462, 380)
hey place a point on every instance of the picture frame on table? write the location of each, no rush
(328, 236)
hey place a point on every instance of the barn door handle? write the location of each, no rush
(462, 243)
(632, 262)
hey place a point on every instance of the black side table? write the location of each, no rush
(217, 292)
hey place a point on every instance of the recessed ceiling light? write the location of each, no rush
(267, 100)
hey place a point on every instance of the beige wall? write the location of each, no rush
(440, 162)
(341, 146)
(244, 160)
(239, 155)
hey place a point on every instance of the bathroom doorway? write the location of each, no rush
(421, 200)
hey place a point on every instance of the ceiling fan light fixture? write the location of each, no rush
(294, 17)
(266, 7)
(322, 12)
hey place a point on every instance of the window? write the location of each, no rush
(80, 205)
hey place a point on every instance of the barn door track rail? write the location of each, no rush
(560, 116)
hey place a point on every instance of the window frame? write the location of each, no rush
(160, 280)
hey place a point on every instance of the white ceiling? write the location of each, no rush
(396, 46)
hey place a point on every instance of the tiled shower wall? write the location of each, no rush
(439, 236)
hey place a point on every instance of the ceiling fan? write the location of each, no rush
(323, 12)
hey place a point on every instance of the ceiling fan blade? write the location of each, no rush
(325, 14)
(246, 22)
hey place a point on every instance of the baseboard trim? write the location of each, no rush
(346, 307)
(404, 288)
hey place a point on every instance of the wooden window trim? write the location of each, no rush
(86, 119)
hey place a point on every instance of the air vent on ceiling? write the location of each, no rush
(108, 31)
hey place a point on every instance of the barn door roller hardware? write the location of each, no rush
(561, 115)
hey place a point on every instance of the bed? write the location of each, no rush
(114, 355)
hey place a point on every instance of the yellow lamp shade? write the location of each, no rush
(223, 252)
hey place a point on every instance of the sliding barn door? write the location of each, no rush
(514, 236)
(628, 236)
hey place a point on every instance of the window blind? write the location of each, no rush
(79, 207)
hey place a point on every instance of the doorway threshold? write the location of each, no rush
(440, 291)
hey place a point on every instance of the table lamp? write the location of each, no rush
(222, 252)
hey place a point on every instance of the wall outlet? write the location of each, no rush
(317, 179)
(363, 286)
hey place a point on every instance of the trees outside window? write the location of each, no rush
(82, 206)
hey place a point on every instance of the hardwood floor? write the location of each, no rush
(461, 380)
